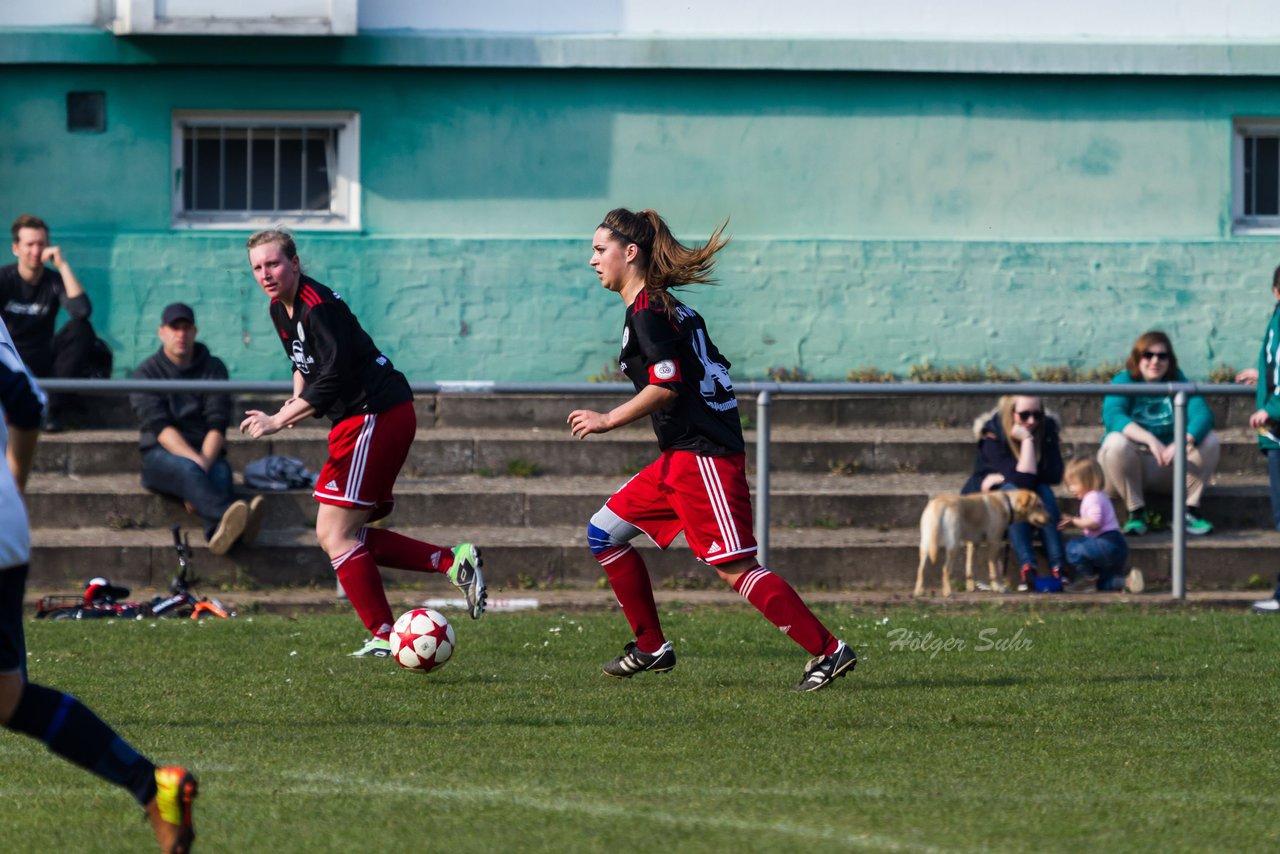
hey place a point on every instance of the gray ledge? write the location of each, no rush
(82, 45)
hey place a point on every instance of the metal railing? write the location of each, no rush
(765, 391)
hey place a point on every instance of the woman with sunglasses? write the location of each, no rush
(1138, 448)
(1018, 448)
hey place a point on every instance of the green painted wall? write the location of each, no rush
(878, 219)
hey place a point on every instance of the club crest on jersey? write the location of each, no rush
(626, 336)
(302, 336)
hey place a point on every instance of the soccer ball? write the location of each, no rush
(422, 640)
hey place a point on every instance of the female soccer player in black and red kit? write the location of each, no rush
(699, 483)
(339, 372)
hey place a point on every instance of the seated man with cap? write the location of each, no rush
(183, 441)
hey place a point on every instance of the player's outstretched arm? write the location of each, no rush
(584, 422)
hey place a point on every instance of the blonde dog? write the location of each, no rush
(979, 519)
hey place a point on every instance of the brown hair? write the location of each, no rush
(1145, 340)
(28, 221)
(1086, 472)
(274, 235)
(1007, 403)
(667, 262)
(1275, 280)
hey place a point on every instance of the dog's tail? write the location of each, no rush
(930, 525)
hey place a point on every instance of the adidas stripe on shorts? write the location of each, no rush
(706, 497)
(366, 453)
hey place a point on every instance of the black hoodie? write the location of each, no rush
(192, 414)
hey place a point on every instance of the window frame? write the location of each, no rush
(344, 214)
(1243, 127)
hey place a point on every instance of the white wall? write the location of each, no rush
(1137, 20)
(1127, 20)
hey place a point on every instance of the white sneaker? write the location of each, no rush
(1267, 606)
(234, 518)
(1133, 582)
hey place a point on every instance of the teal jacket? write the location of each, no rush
(1269, 379)
(1155, 413)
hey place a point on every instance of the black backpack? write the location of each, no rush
(278, 472)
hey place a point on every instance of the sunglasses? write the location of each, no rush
(1158, 356)
(1028, 414)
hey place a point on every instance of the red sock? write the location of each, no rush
(400, 552)
(363, 584)
(629, 578)
(783, 607)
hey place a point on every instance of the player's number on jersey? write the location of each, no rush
(713, 373)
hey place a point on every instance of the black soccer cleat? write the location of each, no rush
(633, 661)
(821, 670)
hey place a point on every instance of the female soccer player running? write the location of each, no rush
(699, 483)
(339, 372)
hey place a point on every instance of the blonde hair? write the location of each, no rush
(1007, 405)
(274, 235)
(667, 263)
(1086, 472)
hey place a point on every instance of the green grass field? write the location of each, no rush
(1060, 730)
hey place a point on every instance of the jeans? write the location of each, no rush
(1273, 473)
(1021, 533)
(178, 477)
(1104, 555)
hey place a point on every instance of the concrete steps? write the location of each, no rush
(875, 501)
(494, 451)
(848, 481)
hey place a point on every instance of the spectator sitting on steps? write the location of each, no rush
(1137, 450)
(1018, 448)
(30, 295)
(183, 441)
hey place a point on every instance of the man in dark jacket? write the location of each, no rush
(31, 293)
(183, 440)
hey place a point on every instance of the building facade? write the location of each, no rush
(902, 186)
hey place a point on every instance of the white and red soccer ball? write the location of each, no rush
(422, 640)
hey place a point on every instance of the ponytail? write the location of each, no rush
(668, 263)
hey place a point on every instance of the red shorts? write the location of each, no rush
(706, 497)
(366, 453)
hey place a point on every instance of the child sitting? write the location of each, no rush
(1102, 551)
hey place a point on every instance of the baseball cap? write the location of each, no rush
(177, 311)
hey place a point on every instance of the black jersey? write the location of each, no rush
(30, 311)
(675, 352)
(343, 370)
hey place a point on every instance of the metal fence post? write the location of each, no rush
(763, 401)
(1178, 559)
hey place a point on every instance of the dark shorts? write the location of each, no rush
(13, 647)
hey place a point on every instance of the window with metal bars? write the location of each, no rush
(1256, 196)
(265, 169)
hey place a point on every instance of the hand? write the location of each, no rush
(584, 422)
(1020, 433)
(53, 255)
(991, 481)
(1163, 453)
(258, 424)
(1259, 419)
(1249, 376)
(1066, 522)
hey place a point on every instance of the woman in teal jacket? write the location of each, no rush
(1137, 450)
(1266, 419)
